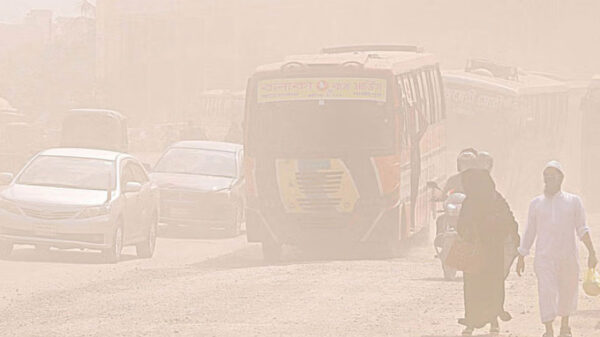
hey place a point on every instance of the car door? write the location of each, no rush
(131, 210)
(240, 172)
(146, 202)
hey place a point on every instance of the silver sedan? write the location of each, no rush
(79, 198)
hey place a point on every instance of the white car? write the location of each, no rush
(80, 198)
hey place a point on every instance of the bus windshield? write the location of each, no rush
(321, 126)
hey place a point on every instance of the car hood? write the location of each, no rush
(43, 195)
(191, 182)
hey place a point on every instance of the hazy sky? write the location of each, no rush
(15, 10)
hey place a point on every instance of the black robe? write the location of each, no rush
(485, 216)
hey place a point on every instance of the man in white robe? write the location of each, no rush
(555, 219)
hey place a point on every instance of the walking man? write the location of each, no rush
(555, 217)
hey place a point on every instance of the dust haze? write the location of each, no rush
(299, 168)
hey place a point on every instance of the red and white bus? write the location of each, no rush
(339, 147)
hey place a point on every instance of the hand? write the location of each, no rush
(592, 260)
(520, 265)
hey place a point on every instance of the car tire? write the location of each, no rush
(6, 249)
(113, 254)
(145, 249)
(235, 228)
(271, 250)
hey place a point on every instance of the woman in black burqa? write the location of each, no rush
(485, 218)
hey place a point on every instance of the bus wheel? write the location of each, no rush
(234, 228)
(271, 250)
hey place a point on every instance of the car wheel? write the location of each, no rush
(146, 249)
(271, 251)
(6, 249)
(235, 228)
(113, 254)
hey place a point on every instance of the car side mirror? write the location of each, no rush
(147, 166)
(133, 187)
(6, 178)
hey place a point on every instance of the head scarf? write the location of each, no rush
(480, 205)
(478, 185)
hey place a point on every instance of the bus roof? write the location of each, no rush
(526, 84)
(395, 61)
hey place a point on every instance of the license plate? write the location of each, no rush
(44, 229)
(313, 164)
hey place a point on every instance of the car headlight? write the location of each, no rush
(9, 206)
(94, 211)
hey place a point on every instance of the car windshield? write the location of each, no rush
(198, 162)
(69, 172)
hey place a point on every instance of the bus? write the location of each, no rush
(516, 116)
(95, 128)
(339, 147)
(590, 142)
(218, 115)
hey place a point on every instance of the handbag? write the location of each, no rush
(591, 283)
(465, 256)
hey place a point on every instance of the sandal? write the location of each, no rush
(566, 332)
(546, 334)
(505, 316)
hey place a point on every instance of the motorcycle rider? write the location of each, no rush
(467, 159)
(485, 161)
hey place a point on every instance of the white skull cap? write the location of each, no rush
(556, 165)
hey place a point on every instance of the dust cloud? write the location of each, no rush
(306, 168)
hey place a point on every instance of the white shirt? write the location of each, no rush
(554, 221)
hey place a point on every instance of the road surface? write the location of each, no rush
(220, 287)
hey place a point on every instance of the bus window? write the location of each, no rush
(426, 97)
(430, 96)
(408, 90)
(434, 75)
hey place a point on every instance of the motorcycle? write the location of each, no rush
(446, 231)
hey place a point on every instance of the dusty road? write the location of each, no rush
(220, 287)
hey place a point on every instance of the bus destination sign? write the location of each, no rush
(337, 88)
